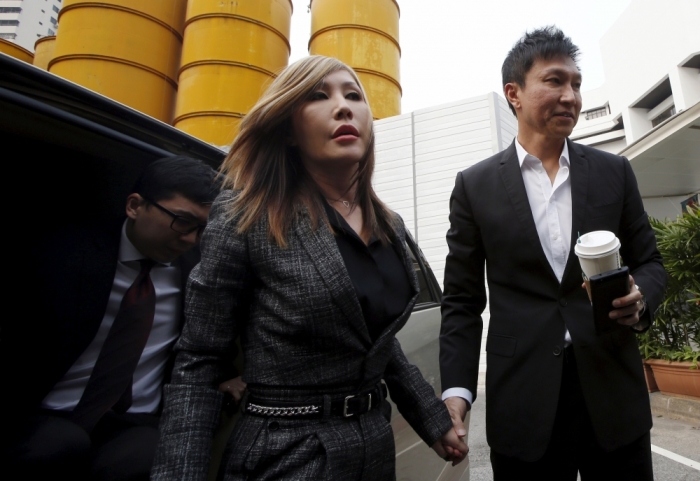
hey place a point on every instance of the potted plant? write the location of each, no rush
(670, 346)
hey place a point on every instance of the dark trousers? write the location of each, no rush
(573, 447)
(50, 446)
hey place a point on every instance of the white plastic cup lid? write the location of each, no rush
(596, 243)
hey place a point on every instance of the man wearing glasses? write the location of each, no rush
(90, 361)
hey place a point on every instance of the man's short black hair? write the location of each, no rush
(543, 43)
(191, 178)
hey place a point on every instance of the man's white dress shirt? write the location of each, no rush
(550, 204)
(150, 371)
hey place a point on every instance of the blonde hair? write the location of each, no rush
(268, 174)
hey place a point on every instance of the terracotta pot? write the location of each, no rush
(676, 377)
(649, 376)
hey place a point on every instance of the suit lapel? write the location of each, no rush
(579, 199)
(322, 249)
(515, 188)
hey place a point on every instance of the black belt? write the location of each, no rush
(342, 406)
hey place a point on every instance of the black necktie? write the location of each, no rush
(109, 386)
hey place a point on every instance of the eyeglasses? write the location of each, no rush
(180, 224)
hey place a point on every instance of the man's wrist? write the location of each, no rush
(459, 392)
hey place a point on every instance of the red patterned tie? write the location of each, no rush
(109, 386)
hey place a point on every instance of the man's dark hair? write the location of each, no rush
(191, 178)
(543, 43)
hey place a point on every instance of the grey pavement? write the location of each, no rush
(681, 437)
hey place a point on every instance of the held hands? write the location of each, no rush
(451, 446)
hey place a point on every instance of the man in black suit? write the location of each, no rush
(560, 398)
(103, 296)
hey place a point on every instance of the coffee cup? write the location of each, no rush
(598, 252)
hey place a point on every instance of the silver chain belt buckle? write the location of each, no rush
(282, 411)
(347, 398)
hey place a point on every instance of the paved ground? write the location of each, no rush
(678, 437)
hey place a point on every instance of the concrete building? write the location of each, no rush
(649, 107)
(25, 21)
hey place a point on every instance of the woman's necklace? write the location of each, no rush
(346, 203)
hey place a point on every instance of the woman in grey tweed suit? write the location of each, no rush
(275, 272)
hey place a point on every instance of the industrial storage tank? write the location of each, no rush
(14, 50)
(43, 51)
(128, 50)
(232, 50)
(365, 35)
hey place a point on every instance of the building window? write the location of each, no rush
(10, 9)
(666, 114)
(597, 113)
(51, 32)
(55, 8)
(8, 36)
(54, 21)
(9, 23)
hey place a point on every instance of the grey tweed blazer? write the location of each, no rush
(301, 327)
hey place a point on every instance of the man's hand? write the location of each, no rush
(235, 387)
(457, 407)
(628, 307)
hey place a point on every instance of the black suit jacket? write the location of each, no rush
(64, 293)
(491, 223)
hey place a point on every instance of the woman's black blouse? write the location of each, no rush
(377, 273)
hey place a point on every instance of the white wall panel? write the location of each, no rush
(428, 148)
(393, 174)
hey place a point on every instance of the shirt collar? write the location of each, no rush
(341, 226)
(523, 154)
(128, 252)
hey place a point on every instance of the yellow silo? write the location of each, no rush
(43, 51)
(14, 50)
(365, 35)
(128, 50)
(232, 49)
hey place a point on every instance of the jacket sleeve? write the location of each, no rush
(638, 248)
(464, 296)
(205, 350)
(415, 397)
